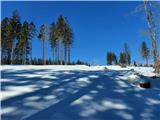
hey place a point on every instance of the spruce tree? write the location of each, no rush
(122, 59)
(144, 50)
(111, 57)
(127, 52)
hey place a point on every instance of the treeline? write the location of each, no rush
(125, 56)
(39, 61)
(16, 40)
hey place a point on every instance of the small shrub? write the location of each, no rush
(140, 65)
(123, 65)
(151, 65)
(135, 64)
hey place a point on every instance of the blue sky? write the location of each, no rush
(98, 26)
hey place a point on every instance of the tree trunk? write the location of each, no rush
(24, 56)
(56, 54)
(65, 55)
(44, 59)
(155, 53)
(152, 31)
(147, 61)
(31, 54)
(53, 56)
(60, 53)
(68, 55)
(12, 55)
(12, 51)
(44, 53)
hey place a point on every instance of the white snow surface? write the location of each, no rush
(79, 92)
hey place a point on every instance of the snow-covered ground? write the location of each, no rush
(78, 93)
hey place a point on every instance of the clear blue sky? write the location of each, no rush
(98, 26)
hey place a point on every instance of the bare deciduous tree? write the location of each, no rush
(153, 32)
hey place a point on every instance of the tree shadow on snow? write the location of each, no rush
(79, 95)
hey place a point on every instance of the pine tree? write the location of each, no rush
(65, 37)
(18, 53)
(53, 39)
(144, 50)
(32, 33)
(60, 34)
(43, 37)
(24, 41)
(5, 41)
(9, 32)
(68, 40)
(14, 31)
(16, 43)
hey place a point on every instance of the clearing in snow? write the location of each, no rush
(78, 93)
